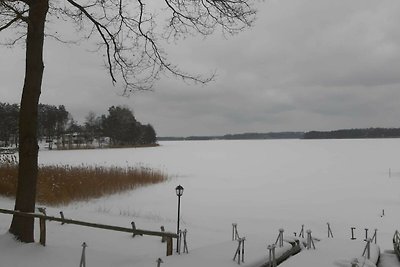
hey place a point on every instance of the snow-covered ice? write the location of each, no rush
(261, 185)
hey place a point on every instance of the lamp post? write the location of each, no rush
(179, 193)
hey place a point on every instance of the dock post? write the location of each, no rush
(310, 241)
(352, 233)
(243, 239)
(235, 234)
(280, 238)
(271, 258)
(367, 249)
(374, 237)
(301, 234)
(366, 234)
(239, 250)
(329, 231)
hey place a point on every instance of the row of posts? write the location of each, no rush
(83, 257)
(181, 239)
(373, 238)
(239, 253)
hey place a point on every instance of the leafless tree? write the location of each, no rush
(129, 40)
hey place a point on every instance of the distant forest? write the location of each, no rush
(242, 136)
(119, 128)
(336, 134)
(56, 126)
(354, 133)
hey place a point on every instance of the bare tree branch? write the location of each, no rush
(125, 31)
(8, 24)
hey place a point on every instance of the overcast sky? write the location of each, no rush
(305, 65)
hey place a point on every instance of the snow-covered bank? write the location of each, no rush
(261, 185)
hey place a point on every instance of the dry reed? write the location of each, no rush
(63, 184)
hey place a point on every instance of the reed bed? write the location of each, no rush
(63, 184)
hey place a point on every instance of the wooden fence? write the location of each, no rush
(43, 218)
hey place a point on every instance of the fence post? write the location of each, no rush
(134, 229)
(62, 217)
(42, 224)
(163, 237)
(169, 245)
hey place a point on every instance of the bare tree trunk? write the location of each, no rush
(22, 227)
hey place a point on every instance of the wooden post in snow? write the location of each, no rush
(301, 234)
(169, 245)
(235, 234)
(185, 247)
(329, 231)
(62, 217)
(367, 249)
(374, 237)
(310, 241)
(83, 256)
(163, 239)
(352, 233)
(280, 238)
(42, 224)
(272, 259)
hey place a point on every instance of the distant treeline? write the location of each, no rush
(56, 125)
(354, 133)
(243, 136)
(335, 134)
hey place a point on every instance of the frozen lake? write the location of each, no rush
(262, 185)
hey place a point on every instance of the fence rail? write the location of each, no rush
(42, 217)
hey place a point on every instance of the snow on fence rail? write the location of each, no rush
(43, 218)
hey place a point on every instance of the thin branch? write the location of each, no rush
(8, 24)
(129, 37)
(100, 28)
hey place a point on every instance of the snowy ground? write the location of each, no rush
(261, 185)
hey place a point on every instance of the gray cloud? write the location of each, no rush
(306, 64)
